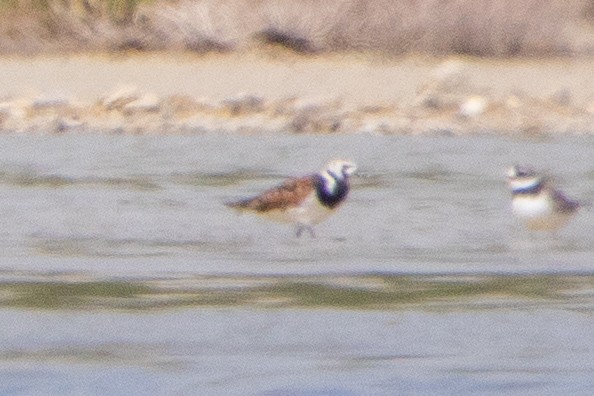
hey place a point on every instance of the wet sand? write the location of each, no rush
(279, 91)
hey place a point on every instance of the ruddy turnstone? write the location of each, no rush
(303, 201)
(535, 201)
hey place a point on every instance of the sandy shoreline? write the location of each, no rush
(278, 92)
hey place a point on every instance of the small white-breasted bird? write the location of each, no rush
(303, 201)
(536, 202)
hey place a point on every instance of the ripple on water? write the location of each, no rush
(356, 292)
(98, 246)
(33, 179)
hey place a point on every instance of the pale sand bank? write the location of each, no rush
(346, 93)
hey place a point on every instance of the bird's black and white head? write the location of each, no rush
(336, 171)
(333, 185)
(524, 180)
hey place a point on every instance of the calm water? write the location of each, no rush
(121, 272)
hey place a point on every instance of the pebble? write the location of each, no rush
(473, 107)
(145, 103)
(120, 97)
(146, 113)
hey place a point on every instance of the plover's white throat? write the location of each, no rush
(303, 201)
(535, 201)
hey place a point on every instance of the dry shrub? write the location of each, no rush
(33, 26)
(502, 27)
(477, 27)
(304, 26)
(20, 33)
(200, 26)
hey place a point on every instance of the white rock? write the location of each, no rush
(16, 109)
(44, 101)
(121, 96)
(145, 103)
(473, 106)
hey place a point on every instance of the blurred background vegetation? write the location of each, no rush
(500, 28)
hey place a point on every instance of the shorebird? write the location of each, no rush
(536, 202)
(303, 201)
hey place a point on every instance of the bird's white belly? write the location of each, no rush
(531, 207)
(311, 211)
(538, 213)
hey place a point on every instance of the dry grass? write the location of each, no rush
(476, 27)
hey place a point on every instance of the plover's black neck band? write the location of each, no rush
(331, 198)
(532, 189)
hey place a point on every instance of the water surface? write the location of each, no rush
(122, 272)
